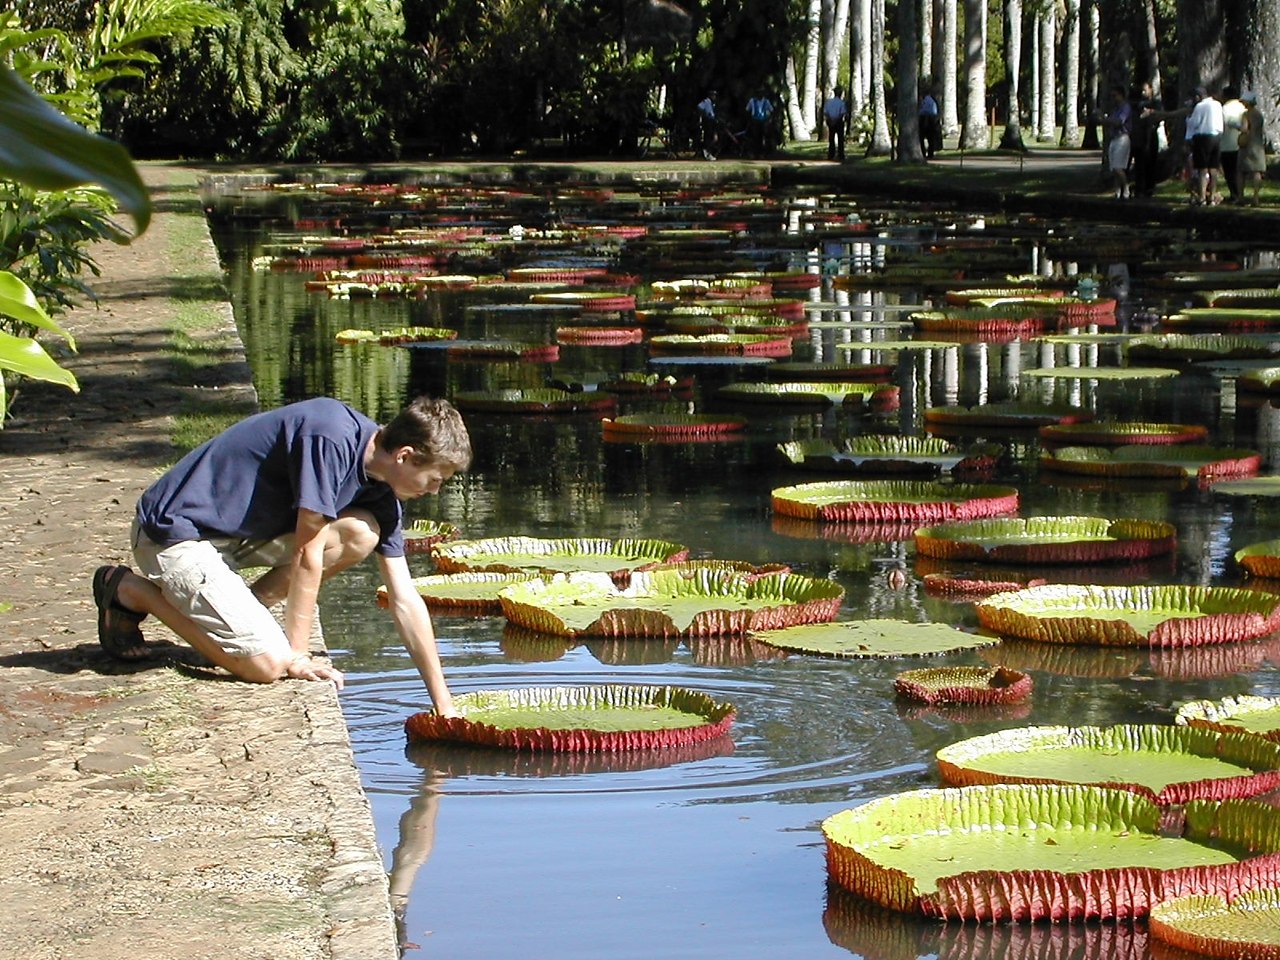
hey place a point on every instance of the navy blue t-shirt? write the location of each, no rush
(250, 481)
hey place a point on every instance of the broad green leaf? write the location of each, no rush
(42, 148)
(873, 638)
(17, 301)
(1211, 925)
(23, 355)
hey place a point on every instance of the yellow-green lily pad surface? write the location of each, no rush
(601, 719)
(1246, 927)
(1205, 463)
(555, 555)
(859, 639)
(1166, 763)
(1036, 540)
(889, 501)
(1101, 373)
(1012, 413)
(463, 592)
(1178, 615)
(670, 603)
(1246, 713)
(1250, 487)
(1027, 852)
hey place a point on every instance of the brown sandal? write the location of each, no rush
(117, 625)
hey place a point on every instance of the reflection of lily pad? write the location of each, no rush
(1167, 764)
(881, 501)
(978, 685)
(1156, 616)
(463, 592)
(1259, 716)
(666, 603)
(1102, 373)
(1206, 464)
(1040, 852)
(1246, 926)
(599, 719)
(632, 425)
(1121, 433)
(1047, 540)
(532, 554)
(1008, 414)
(421, 535)
(874, 638)
(824, 392)
(536, 400)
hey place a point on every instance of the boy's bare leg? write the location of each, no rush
(352, 537)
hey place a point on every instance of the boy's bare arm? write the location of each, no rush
(413, 623)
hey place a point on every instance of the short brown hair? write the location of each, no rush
(434, 428)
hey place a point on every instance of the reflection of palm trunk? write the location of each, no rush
(417, 838)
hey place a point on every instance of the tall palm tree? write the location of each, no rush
(1048, 22)
(974, 134)
(1011, 139)
(909, 148)
(881, 145)
(947, 80)
(1071, 75)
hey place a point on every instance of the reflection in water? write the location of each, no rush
(718, 855)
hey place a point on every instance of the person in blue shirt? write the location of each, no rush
(306, 490)
(759, 116)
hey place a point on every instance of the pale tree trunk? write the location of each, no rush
(810, 96)
(926, 37)
(947, 82)
(1011, 139)
(827, 73)
(859, 54)
(1151, 47)
(1260, 69)
(1071, 75)
(1048, 107)
(1035, 73)
(881, 145)
(1202, 46)
(1092, 68)
(975, 135)
(839, 39)
(797, 116)
(909, 148)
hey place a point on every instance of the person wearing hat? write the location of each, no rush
(1253, 146)
(1204, 127)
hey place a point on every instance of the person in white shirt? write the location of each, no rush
(1232, 116)
(835, 113)
(1205, 129)
(708, 125)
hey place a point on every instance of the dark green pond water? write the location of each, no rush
(717, 852)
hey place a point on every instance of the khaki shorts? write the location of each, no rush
(199, 578)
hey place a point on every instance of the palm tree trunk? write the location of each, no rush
(881, 145)
(975, 135)
(1260, 68)
(1048, 107)
(909, 147)
(926, 37)
(797, 116)
(949, 106)
(859, 54)
(810, 95)
(1071, 75)
(1011, 139)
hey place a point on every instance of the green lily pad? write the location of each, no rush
(1264, 380)
(1168, 764)
(1156, 616)
(981, 323)
(1007, 414)
(864, 639)
(1260, 559)
(421, 535)
(1224, 318)
(1208, 464)
(1255, 297)
(619, 558)
(1034, 540)
(1245, 926)
(1085, 339)
(1102, 373)
(733, 344)
(1121, 432)
(899, 345)
(633, 425)
(1259, 716)
(535, 400)
(667, 603)
(1026, 852)
(600, 719)
(871, 453)
(463, 592)
(824, 391)
(888, 501)
(1250, 487)
(985, 686)
(793, 371)
(1190, 347)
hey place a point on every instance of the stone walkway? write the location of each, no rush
(154, 811)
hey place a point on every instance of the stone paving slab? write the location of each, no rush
(159, 810)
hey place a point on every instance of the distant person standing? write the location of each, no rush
(1205, 128)
(708, 126)
(1232, 113)
(930, 125)
(1145, 141)
(835, 114)
(1253, 146)
(759, 116)
(1119, 124)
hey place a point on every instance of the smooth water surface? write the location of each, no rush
(715, 852)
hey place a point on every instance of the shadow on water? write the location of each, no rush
(718, 854)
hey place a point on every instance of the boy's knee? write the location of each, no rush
(358, 533)
(263, 667)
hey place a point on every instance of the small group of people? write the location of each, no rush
(1224, 143)
(755, 140)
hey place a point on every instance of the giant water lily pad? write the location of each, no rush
(1156, 616)
(865, 639)
(881, 501)
(1203, 463)
(676, 425)
(1121, 433)
(1047, 540)
(985, 686)
(1102, 373)
(978, 323)
(817, 392)
(1223, 318)
(1007, 414)
(1265, 380)
(1191, 347)
(1026, 852)
(887, 454)
(732, 344)
(1168, 764)
(1268, 486)
(796, 371)
(1243, 927)
(920, 344)
(619, 558)
(1259, 716)
(669, 603)
(475, 593)
(421, 535)
(535, 400)
(1260, 559)
(599, 719)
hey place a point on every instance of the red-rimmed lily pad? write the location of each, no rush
(978, 323)
(463, 592)
(589, 301)
(599, 336)
(1261, 559)
(968, 589)
(877, 395)
(491, 350)
(1192, 347)
(421, 535)
(1027, 852)
(975, 294)
(888, 454)
(1203, 463)
(1252, 297)
(868, 639)
(1034, 540)
(1121, 433)
(534, 400)
(1211, 319)
(1139, 616)
(402, 335)
(599, 719)
(633, 426)
(1101, 373)
(1240, 927)
(1165, 763)
(618, 558)
(1259, 716)
(668, 603)
(887, 345)
(881, 501)
(977, 685)
(1007, 414)
(731, 344)
(652, 384)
